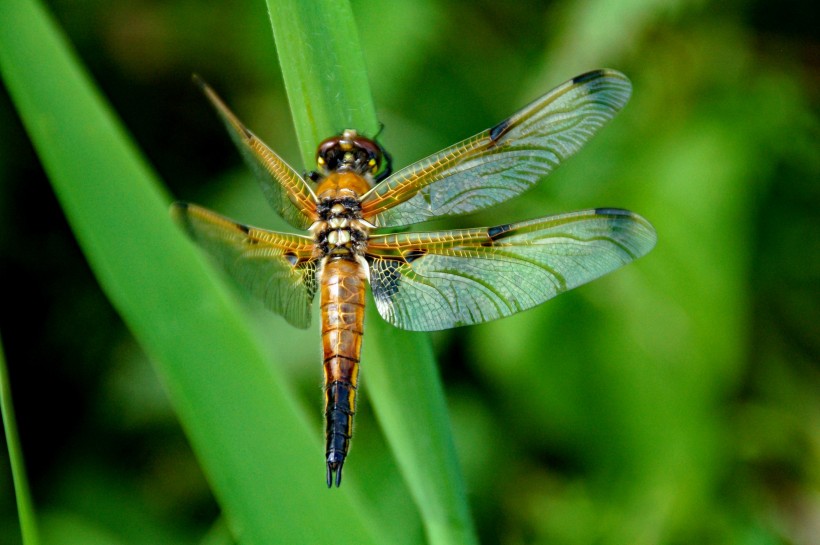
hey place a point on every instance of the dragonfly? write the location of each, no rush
(420, 281)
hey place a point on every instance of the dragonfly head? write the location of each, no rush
(349, 152)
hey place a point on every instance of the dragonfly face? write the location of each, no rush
(349, 152)
(421, 281)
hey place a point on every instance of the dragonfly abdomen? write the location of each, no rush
(342, 306)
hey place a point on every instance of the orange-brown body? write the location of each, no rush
(341, 236)
(342, 308)
(342, 184)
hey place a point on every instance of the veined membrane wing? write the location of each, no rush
(286, 191)
(277, 268)
(431, 281)
(503, 161)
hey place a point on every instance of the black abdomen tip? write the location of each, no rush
(335, 461)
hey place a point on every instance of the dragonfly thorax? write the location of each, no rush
(348, 163)
(340, 230)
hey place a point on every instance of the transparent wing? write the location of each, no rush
(286, 191)
(431, 281)
(504, 161)
(276, 268)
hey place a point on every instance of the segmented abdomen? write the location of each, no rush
(342, 307)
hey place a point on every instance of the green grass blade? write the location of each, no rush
(403, 382)
(25, 507)
(323, 68)
(327, 87)
(262, 459)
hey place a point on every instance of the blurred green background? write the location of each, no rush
(675, 401)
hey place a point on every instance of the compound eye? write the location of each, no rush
(371, 154)
(327, 160)
(328, 152)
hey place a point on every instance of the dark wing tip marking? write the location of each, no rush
(501, 129)
(612, 212)
(643, 233)
(588, 76)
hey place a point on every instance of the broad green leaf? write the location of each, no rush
(324, 72)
